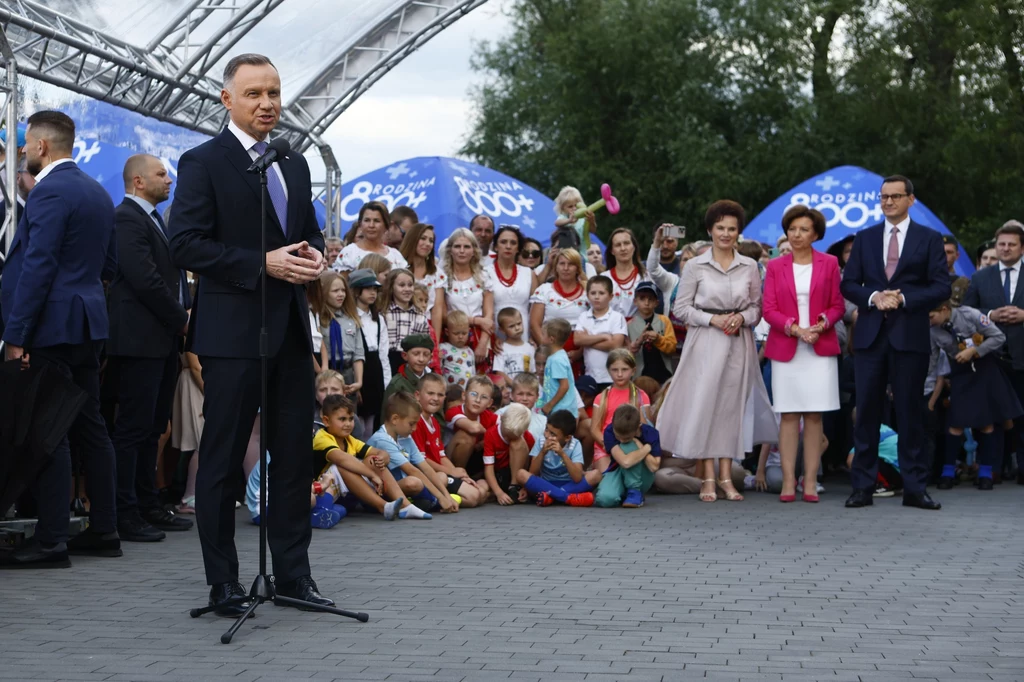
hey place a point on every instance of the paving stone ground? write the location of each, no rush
(677, 590)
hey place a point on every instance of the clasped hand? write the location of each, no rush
(730, 324)
(888, 300)
(1008, 314)
(304, 266)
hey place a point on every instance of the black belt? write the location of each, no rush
(715, 311)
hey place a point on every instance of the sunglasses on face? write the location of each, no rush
(531, 254)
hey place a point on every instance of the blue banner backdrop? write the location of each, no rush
(447, 193)
(848, 196)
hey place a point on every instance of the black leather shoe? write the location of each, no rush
(303, 589)
(163, 519)
(1020, 479)
(946, 483)
(133, 528)
(33, 555)
(921, 501)
(91, 543)
(231, 599)
(860, 498)
(985, 483)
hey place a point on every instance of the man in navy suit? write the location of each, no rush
(149, 302)
(215, 233)
(895, 275)
(997, 292)
(55, 313)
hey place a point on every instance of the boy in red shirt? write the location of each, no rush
(430, 395)
(507, 447)
(469, 422)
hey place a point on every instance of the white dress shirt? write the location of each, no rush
(46, 171)
(248, 141)
(1014, 276)
(901, 238)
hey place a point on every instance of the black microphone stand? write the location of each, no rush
(262, 589)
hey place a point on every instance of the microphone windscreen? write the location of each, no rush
(279, 145)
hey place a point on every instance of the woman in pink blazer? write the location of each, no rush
(802, 303)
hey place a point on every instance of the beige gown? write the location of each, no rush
(717, 405)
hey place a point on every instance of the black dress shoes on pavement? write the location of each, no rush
(133, 528)
(921, 500)
(230, 599)
(303, 589)
(163, 519)
(860, 498)
(946, 483)
(985, 483)
(34, 555)
(92, 543)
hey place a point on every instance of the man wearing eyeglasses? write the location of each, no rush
(996, 291)
(895, 275)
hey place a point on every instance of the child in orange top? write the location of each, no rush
(621, 367)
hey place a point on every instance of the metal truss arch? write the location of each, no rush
(359, 63)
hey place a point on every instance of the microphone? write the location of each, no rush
(277, 149)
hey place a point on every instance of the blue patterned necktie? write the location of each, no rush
(275, 189)
(1006, 286)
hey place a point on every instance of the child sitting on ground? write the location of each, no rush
(416, 352)
(635, 448)
(526, 392)
(358, 472)
(507, 445)
(516, 355)
(458, 362)
(427, 435)
(556, 467)
(415, 477)
(469, 422)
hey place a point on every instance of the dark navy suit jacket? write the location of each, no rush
(921, 277)
(986, 294)
(215, 233)
(52, 290)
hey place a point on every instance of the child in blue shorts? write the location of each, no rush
(636, 449)
(556, 467)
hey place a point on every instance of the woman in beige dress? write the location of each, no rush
(717, 399)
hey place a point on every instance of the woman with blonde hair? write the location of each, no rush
(469, 288)
(564, 298)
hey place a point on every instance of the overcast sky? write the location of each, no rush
(420, 108)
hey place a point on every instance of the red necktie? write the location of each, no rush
(893, 257)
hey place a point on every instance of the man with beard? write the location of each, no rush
(55, 314)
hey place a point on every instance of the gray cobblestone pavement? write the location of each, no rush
(677, 590)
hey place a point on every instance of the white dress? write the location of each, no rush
(466, 295)
(516, 296)
(352, 255)
(557, 307)
(432, 283)
(809, 382)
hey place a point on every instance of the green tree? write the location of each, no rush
(677, 103)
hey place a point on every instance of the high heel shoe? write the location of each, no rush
(809, 497)
(731, 495)
(708, 497)
(787, 498)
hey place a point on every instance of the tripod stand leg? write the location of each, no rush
(310, 606)
(195, 613)
(226, 637)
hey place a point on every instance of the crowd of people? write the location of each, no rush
(483, 368)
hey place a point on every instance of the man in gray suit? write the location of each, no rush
(998, 292)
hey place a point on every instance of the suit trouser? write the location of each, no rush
(80, 363)
(877, 366)
(231, 401)
(144, 396)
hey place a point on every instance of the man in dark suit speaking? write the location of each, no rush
(895, 275)
(56, 314)
(215, 233)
